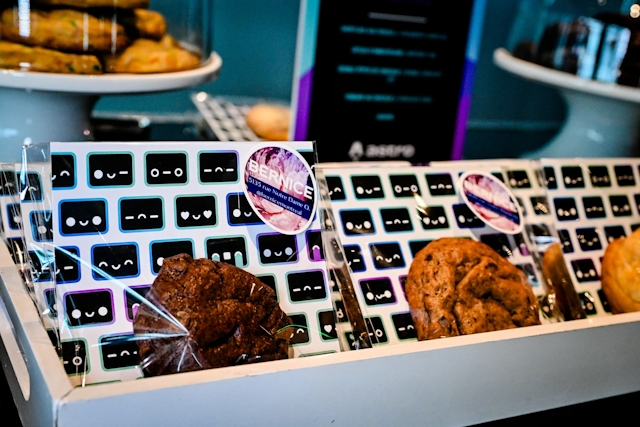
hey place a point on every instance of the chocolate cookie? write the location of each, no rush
(460, 286)
(207, 314)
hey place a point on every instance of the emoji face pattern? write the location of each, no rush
(386, 255)
(585, 270)
(572, 177)
(141, 214)
(434, 217)
(396, 220)
(299, 329)
(88, 308)
(529, 272)
(315, 248)
(277, 248)
(119, 352)
(593, 207)
(566, 209)
(499, 243)
(378, 291)
(375, 327)
(614, 232)
(30, 187)
(620, 205)
(306, 286)
(465, 218)
(8, 183)
(367, 187)
(169, 248)
(403, 325)
(440, 184)
(550, 178)
(232, 250)
(269, 280)
(41, 265)
(50, 301)
(166, 168)
(417, 245)
(599, 176)
(540, 205)
(83, 217)
(218, 167)
(624, 176)
(404, 185)
(63, 171)
(588, 239)
(356, 222)
(335, 188)
(196, 211)
(519, 179)
(353, 254)
(115, 260)
(327, 322)
(74, 357)
(110, 170)
(588, 303)
(67, 261)
(239, 211)
(14, 215)
(565, 241)
(604, 301)
(132, 297)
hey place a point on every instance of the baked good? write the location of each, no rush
(620, 279)
(146, 56)
(555, 271)
(122, 4)
(65, 29)
(225, 316)
(459, 287)
(148, 24)
(270, 122)
(15, 56)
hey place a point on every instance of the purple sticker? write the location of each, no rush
(280, 188)
(491, 201)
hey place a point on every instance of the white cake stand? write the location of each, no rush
(43, 107)
(603, 120)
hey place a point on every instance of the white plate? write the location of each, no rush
(112, 83)
(560, 79)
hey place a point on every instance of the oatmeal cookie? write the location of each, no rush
(270, 122)
(460, 286)
(65, 29)
(225, 316)
(148, 56)
(15, 56)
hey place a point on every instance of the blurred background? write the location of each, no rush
(256, 40)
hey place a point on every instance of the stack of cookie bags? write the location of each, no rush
(89, 37)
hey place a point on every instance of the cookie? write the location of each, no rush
(121, 4)
(620, 280)
(65, 29)
(149, 56)
(223, 315)
(459, 287)
(270, 122)
(15, 56)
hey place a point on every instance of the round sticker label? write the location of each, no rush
(280, 187)
(491, 201)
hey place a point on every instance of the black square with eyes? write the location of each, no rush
(306, 286)
(433, 217)
(440, 184)
(341, 312)
(111, 170)
(299, 329)
(67, 264)
(115, 260)
(540, 205)
(232, 250)
(565, 241)
(378, 291)
(315, 248)
(594, 207)
(396, 220)
(63, 171)
(499, 243)
(604, 301)
(50, 301)
(530, 272)
(74, 357)
(465, 218)
(119, 352)
(353, 255)
(356, 222)
(335, 188)
(14, 216)
(588, 239)
(133, 297)
(88, 308)
(417, 245)
(41, 226)
(519, 179)
(8, 183)
(637, 199)
(572, 177)
(83, 217)
(167, 249)
(166, 168)
(218, 167)
(523, 208)
(588, 303)
(386, 255)
(614, 232)
(566, 209)
(30, 187)
(41, 264)
(277, 248)
(620, 205)
(404, 185)
(196, 211)
(240, 212)
(367, 187)
(375, 327)
(585, 270)
(624, 175)
(403, 325)
(550, 180)
(141, 214)
(327, 323)
(599, 176)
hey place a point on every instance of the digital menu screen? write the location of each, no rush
(387, 79)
